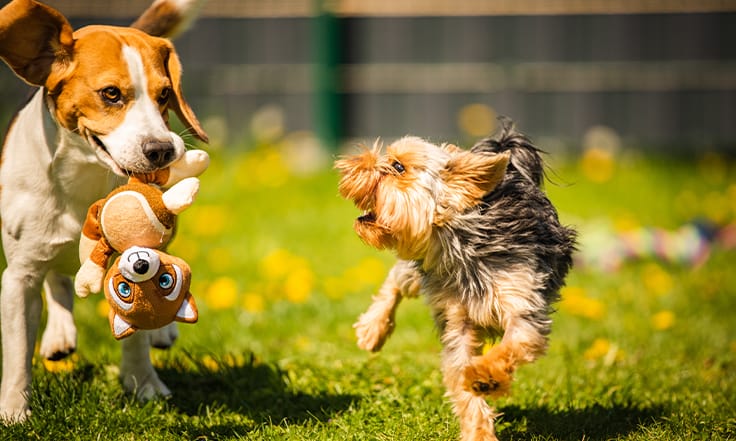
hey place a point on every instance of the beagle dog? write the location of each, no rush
(100, 113)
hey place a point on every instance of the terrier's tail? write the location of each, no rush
(526, 159)
(168, 18)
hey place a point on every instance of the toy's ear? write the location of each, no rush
(188, 311)
(470, 176)
(120, 328)
(35, 40)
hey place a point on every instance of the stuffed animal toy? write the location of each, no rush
(139, 215)
(147, 289)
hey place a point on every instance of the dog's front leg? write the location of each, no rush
(461, 341)
(137, 372)
(20, 314)
(376, 324)
(60, 336)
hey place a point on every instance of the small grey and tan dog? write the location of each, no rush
(475, 233)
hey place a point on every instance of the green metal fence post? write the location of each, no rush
(327, 118)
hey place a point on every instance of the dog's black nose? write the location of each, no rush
(158, 153)
(140, 266)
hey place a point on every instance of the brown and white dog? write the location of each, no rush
(100, 113)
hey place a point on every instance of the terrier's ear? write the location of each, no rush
(469, 176)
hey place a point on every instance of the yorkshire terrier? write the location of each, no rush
(474, 232)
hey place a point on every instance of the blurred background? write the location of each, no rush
(656, 74)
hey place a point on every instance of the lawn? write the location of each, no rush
(644, 351)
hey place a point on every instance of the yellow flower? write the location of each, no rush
(575, 302)
(598, 349)
(656, 280)
(477, 120)
(63, 365)
(208, 220)
(279, 263)
(210, 363)
(603, 349)
(253, 302)
(222, 293)
(103, 308)
(663, 320)
(598, 164)
(298, 285)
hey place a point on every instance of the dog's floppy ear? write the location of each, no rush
(470, 176)
(177, 103)
(34, 40)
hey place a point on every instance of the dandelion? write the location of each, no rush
(253, 302)
(477, 119)
(298, 285)
(603, 349)
(103, 308)
(208, 221)
(575, 302)
(656, 280)
(598, 165)
(63, 365)
(334, 287)
(210, 363)
(221, 294)
(663, 320)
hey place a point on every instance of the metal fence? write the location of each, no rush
(661, 74)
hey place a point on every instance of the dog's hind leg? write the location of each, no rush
(462, 341)
(491, 373)
(136, 371)
(60, 336)
(20, 314)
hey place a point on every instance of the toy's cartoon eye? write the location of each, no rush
(124, 289)
(166, 281)
(399, 167)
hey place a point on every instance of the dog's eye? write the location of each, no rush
(111, 94)
(163, 98)
(165, 281)
(399, 167)
(124, 289)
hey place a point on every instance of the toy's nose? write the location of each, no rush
(140, 266)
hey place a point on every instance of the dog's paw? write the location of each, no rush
(372, 333)
(14, 414)
(486, 377)
(59, 338)
(145, 385)
(164, 338)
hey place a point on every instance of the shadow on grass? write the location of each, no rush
(595, 422)
(259, 391)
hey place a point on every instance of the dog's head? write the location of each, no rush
(147, 289)
(413, 186)
(113, 86)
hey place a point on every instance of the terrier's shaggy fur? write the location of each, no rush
(476, 234)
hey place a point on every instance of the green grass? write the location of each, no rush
(280, 277)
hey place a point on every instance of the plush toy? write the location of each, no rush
(147, 289)
(139, 214)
